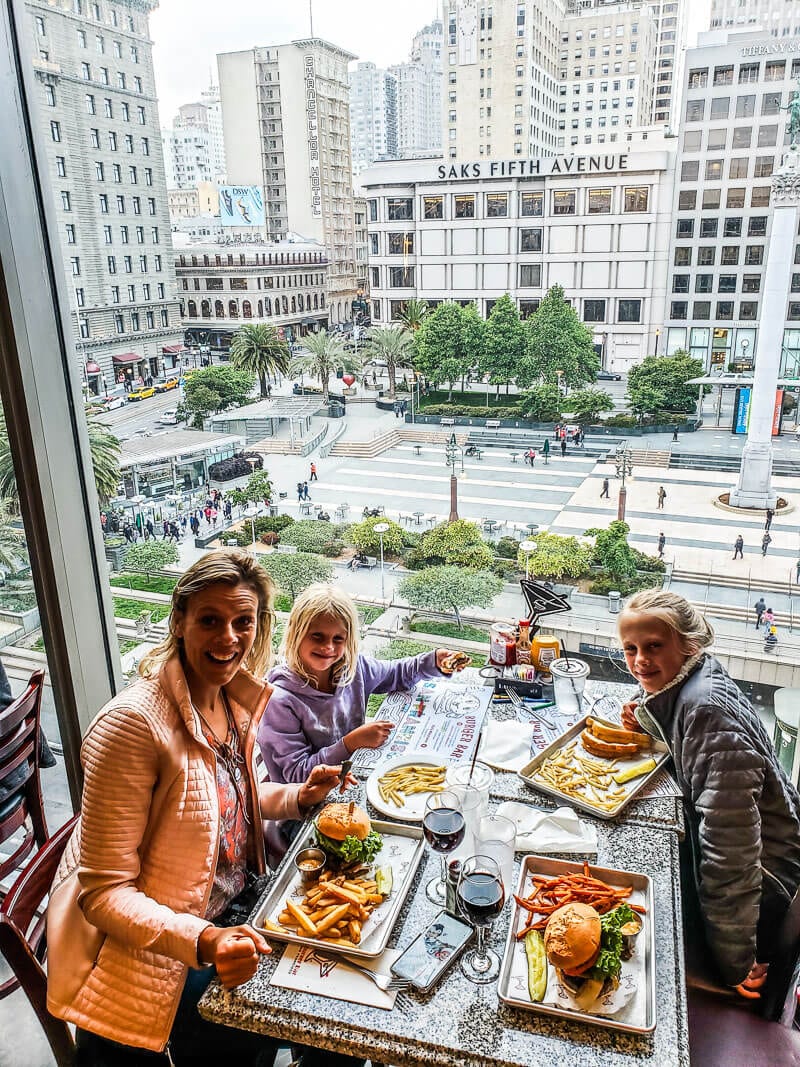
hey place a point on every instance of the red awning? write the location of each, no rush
(92, 368)
(127, 357)
(173, 350)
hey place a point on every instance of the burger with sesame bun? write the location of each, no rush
(345, 834)
(587, 949)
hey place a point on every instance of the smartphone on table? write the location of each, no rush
(430, 953)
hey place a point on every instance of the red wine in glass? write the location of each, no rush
(444, 829)
(481, 896)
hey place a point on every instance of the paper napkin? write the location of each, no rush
(549, 831)
(506, 745)
(309, 970)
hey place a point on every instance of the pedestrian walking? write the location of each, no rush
(769, 517)
(738, 545)
(313, 477)
(661, 542)
(759, 607)
(771, 639)
(299, 491)
(546, 450)
(583, 438)
(557, 431)
(675, 434)
(766, 541)
(306, 494)
(269, 391)
(148, 530)
(662, 496)
(605, 489)
(164, 530)
(563, 446)
(769, 619)
(532, 457)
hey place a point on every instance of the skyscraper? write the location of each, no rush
(778, 18)
(286, 124)
(373, 115)
(419, 95)
(98, 115)
(193, 149)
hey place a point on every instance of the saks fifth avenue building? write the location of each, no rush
(597, 224)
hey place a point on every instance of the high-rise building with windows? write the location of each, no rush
(501, 72)
(778, 18)
(419, 95)
(98, 115)
(194, 150)
(373, 115)
(286, 123)
(733, 136)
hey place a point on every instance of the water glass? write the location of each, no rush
(470, 804)
(569, 681)
(480, 778)
(496, 837)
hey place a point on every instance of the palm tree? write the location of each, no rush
(391, 345)
(257, 348)
(413, 314)
(325, 356)
(13, 550)
(104, 448)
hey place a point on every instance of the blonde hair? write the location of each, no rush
(220, 567)
(694, 632)
(320, 599)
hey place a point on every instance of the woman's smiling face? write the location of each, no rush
(652, 650)
(218, 629)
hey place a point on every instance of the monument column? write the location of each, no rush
(754, 488)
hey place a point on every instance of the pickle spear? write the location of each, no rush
(537, 965)
(636, 770)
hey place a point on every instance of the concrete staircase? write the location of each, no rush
(704, 461)
(650, 457)
(391, 439)
(732, 580)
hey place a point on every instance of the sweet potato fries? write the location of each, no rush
(551, 893)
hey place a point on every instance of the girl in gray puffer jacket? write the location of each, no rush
(743, 813)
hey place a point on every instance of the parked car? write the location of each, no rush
(166, 385)
(168, 417)
(142, 394)
(114, 402)
(608, 376)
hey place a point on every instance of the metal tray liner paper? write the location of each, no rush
(631, 1007)
(403, 848)
(657, 750)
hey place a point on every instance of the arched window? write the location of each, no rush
(267, 307)
(299, 301)
(316, 301)
(182, 307)
(233, 309)
(294, 305)
(192, 309)
(219, 309)
(247, 309)
(205, 309)
(261, 309)
(322, 300)
(285, 305)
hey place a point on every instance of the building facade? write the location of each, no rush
(225, 284)
(598, 225)
(187, 156)
(778, 18)
(373, 115)
(286, 122)
(733, 137)
(362, 244)
(98, 116)
(419, 95)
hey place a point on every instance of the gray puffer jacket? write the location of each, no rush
(743, 813)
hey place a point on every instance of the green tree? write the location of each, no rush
(363, 536)
(257, 349)
(256, 490)
(325, 356)
(309, 535)
(542, 403)
(458, 543)
(558, 341)
(504, 343)
(644, 400)
(439, 346)
(392, 346)
(450, 589)
(667, 375)
(473, 332)
(413, 314)
(13, 550)
(211, 389)
(293, 572)
(557, 557)
(149, 556)
(612, 551)
(587, 404)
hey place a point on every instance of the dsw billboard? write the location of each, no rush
(741, 411)
(241, 205)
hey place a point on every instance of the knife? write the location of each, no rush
(343, 773)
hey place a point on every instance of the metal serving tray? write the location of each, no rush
(638, 1015)
(403, 848)
(658, 750)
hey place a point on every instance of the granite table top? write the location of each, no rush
(459, 1024)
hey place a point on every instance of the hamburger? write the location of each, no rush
(345, 834)
(586, 949)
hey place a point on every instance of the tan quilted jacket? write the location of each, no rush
(127, 903)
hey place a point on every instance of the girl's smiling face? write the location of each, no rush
(653, 650)
(322, 647)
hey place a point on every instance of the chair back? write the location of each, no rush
(20, 788)
(778, 1000)
(22, 937)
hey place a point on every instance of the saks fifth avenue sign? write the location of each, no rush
(532, 168)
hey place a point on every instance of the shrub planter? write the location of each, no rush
(27, 621)
(595, 429)
(115, 554)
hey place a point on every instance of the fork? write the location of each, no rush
(519, 704)
(387, 983)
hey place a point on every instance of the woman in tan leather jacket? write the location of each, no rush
(170, 828)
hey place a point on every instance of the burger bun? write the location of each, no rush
(338, 821)
(572, 938)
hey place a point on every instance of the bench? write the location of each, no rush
(370, 563)
(492, 424)
(447, 421)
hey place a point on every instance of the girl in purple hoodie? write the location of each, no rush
(316, 713)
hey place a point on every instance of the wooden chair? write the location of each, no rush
(22, 937)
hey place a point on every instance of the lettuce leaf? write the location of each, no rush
(608, 963)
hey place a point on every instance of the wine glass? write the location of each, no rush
(480, 897)
(444, 827)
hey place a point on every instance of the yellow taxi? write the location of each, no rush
(142, 394)
(166, 385)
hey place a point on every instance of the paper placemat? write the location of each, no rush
(308, 970)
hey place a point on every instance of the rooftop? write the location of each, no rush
(161, 446)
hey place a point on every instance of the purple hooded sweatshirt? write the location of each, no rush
(303, 726)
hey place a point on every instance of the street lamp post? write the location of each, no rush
(251, 514)
(658, 337)
(451, 458)
(528, 547)
(380, 529)
(624, 463)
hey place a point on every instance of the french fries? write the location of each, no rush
(333, 909)
(402, 782)
(575, 775)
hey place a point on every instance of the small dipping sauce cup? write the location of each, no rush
(310, 862)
